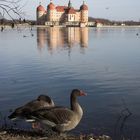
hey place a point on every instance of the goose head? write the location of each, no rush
(46, 99)
(77, 92)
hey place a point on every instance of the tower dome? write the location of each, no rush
(51, 6)
(41, 8)
(84, 6)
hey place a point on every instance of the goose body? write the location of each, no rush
(61, 118)
(41, 102)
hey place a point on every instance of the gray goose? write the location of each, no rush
(61, 119)
(41, 102)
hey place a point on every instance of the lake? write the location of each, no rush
(103, 62)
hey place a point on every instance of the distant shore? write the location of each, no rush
(43, 26)
(104, 26)
(107, 26)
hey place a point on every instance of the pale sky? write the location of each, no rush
(109, 9)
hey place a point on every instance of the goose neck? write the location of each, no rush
(75, 105)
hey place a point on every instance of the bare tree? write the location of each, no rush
(11, 8)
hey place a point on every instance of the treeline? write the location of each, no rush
(109, 22)
(16, 21)
(100, 20)
(91, 19)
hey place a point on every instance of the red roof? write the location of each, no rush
(61, 8)
(71, 11)
(84, 7)
(41, 8)
(51, 6)
(77, 10)
(65, 8)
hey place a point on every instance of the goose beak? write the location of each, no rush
(83, 93)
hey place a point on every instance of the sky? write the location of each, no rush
(109, 9)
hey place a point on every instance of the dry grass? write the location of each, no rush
(15, 134)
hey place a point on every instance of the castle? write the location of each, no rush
(62, 15)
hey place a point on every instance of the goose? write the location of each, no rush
(61, 119)
(41, 102)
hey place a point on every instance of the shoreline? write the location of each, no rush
(44, 26)
(15, 134)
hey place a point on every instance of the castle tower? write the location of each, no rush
(51, 11)
(40, 13)
(84, 12)
(71, 12)
(69, 4)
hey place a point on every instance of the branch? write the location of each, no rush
(121, 121)
(11, 7)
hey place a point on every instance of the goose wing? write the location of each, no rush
(35, 105)
(56, 115)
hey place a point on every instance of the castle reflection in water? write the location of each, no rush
(55, 37)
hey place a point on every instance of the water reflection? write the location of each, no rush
(56, 37)
(41, 38)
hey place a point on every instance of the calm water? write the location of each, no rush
(104, 62)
